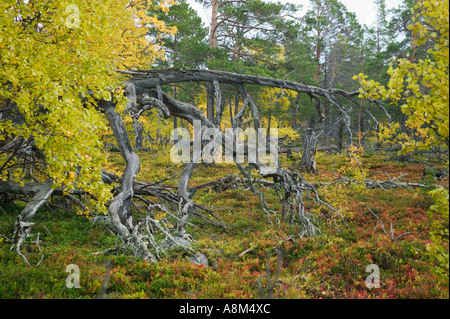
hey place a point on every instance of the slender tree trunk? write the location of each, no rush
(120, 207)
(317, 74)
(404, 129)
(378, 143)
(268, 132)
(210, 101)
(294, 124)
(326, 125)
(236, 108)
(175, 122)
(269, 120)
(214, 23)
(378, 40)
(212, 44)
(318, 48)
(413, 45)
(360, 127)
(340, 136)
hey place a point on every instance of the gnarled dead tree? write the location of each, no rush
(144, 92)
(291, 186)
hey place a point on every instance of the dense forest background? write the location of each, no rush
(94, 93)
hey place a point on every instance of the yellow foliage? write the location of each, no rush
(53, 52)
(421, 87)
(353, 166)
(273, 98)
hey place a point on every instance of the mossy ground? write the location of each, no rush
(331, 265)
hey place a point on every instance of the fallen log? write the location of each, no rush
(387, 184)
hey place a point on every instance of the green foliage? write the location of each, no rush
(50, 63)
(187, 48)
(329, 24)
(330, 265)
(437, 250)
(422, 86)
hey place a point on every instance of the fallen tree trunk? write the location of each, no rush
(387, 184)
(155, 78)
(289, 150)
(31, 189)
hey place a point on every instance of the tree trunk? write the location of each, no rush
(236, 108)
(175, 122)
(308, 161)
(360, 127)
(38, 200)
(214, 23)
(120, 207)
(210, 101)
(404, 129)
(310, 139)
(212, 44)
(340, 136)
(326, 126)
(138, 135)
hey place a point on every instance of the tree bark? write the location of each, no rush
(22, 226)
(340, 136)
(149, 79)
(43, 193)
(119, 208)
(175, 120)
(310, 139)
(214, 23)
(293, 184)
(138, 135)
(210, 101)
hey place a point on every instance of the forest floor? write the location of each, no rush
(330, 265)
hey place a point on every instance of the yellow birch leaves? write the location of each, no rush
(421, 88)
(53, 54)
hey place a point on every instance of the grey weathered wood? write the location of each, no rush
(154, 78)
(43, 193)
(120, 206)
